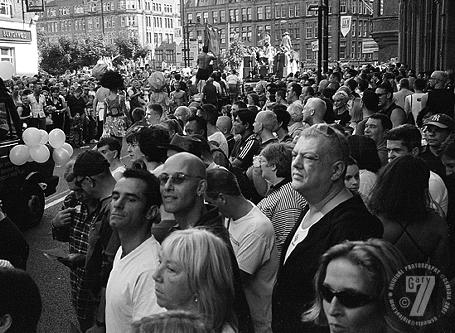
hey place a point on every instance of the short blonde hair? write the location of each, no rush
(206, 260)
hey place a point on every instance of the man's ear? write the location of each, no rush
(5, 322)
(153, 213)
(201, 188)
(338, 169)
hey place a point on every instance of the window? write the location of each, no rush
(360, 28)
(342, 6)
(231, 15)
(309, 30)
(354, 7)
(7, 54)
(260, 13)
(268, 12)
(249, 33)
(353, 28)
(198, 17)
(160, 38)
(205, 16)
(237, 15)
(190, 17)
(215, 17)
(277, 12)
(222, 16)
(309, 52)
(223, 36)
(249, 15)
(291, 11)
(244, 18)
(353, 51)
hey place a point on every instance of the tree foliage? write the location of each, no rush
(233, 57)
(73, 54)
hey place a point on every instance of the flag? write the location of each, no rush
(212, 39)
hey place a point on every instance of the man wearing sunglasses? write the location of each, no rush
(332, 216)
(92, 175)
(183, 182)
(387, 105)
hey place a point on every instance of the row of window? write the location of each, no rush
(282, 11)
(90, 23)
(93, 7)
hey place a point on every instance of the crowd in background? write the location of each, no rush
(277, 204)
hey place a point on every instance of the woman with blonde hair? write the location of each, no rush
(351, 288)
(195, 275)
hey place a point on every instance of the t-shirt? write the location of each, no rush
(220, 139)
(130, 292)
(253, 240)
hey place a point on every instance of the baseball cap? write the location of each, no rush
(440, 120)
(90, 163)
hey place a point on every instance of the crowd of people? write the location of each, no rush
(287, 205)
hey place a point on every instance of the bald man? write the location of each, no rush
(314, 111)
(183, 182)
(224, 124)
(264, 125)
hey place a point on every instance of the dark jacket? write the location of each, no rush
(13, 246)
(293, 292)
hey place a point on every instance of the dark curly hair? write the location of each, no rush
(112, 80)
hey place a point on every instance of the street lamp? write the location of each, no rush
(320, 9)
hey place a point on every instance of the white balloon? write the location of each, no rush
(61, 156)
(31, 136)
(19, 155)
(44, 137)
(57, 138)
(40, 153)
(68, 148)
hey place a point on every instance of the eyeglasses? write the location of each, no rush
(78, 182)
(381, 94)
(176, 179)
(349, 299)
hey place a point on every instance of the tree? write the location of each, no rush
(73, 54)
(233, 57)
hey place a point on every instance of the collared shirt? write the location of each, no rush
(37, 106)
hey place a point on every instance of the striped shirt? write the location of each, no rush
(283, 206)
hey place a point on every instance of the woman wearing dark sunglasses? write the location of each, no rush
(351, 288)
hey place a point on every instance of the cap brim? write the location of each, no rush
(436, 124)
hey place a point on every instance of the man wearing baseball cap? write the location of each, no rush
(436, 129)
(92, 175)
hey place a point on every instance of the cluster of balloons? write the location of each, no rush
(35, 148)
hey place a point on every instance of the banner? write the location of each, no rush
(345, 22)
(34, 5)
(212, 39)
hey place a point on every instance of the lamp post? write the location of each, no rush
(320, 9)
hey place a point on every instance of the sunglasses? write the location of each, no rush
(349, 299)
(176, 179)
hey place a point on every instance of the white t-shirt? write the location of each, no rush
(438, 193)
(253, 240)
(219, 138)
(130, 292)
(367, 182)
(413, 104)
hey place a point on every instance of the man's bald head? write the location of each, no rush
(267, 119)
(314, 111)
(224, 124)
(187, 163)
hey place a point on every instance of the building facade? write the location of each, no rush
(155, 23)
(386, 28)
(250, 20)
(18, 39)
(427, 35)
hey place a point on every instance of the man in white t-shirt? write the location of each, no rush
(130, 292)
(253, 240)
(406, 140)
